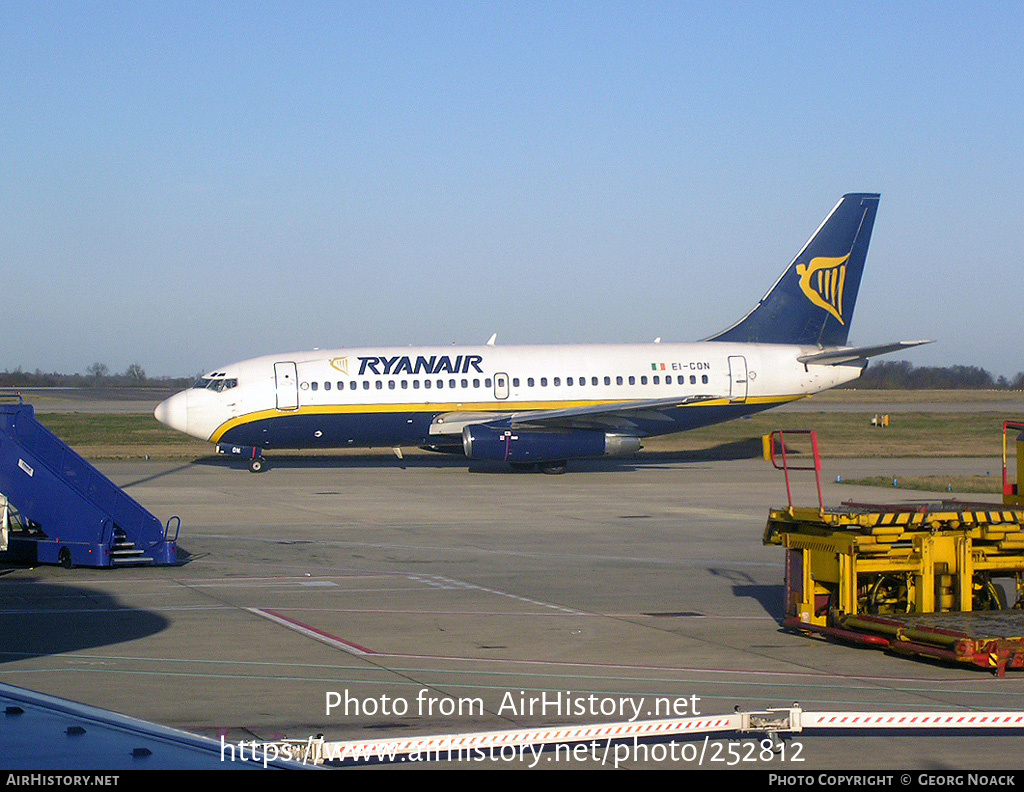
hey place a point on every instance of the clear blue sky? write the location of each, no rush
(187, 184)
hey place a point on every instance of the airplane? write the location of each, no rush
(539, 406)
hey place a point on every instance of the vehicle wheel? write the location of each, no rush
(554, 468)
(889, 594)
(64, 558)
(988, 595)
(256, 465)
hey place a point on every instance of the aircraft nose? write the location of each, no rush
(173, 412)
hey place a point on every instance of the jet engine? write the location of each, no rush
(519, 446)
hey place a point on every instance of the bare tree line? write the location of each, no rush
(96, 375)
(902, 375)
(889, 375)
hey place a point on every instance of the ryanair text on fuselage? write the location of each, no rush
(435, 364)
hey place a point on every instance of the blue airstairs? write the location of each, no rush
(61, 510)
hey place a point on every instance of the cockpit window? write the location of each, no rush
(216, 384)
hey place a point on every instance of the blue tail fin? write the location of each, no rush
(812, 303)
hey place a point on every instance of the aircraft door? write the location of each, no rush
(287, 381)
(737, 378)
(501, 386)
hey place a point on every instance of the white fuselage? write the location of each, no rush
(547, 404)
(421, 396)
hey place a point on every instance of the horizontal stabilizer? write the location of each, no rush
(836, 357)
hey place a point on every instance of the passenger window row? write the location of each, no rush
(531, 382)
(395, 384)
(595, 381)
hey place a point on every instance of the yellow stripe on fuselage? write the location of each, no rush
(447, 407)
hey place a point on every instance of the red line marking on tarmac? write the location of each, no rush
(312, 632)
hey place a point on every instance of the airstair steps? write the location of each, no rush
(74, 515)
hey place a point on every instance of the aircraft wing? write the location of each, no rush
(836, 357)
(613, 417)
(624, 417)
(618, 416)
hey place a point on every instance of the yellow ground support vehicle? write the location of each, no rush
(926, 579)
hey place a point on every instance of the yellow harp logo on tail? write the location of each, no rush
(822, 283)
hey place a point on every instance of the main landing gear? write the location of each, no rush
(553, 467)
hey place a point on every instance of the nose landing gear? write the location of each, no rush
(257, 464)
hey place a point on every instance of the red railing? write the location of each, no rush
(1008, 486)
(787, 466)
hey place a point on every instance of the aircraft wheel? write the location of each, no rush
(554, 468)
(64, 558)
(257, 465)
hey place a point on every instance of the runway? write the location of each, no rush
(425, 597)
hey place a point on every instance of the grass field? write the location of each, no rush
(117, 436)
(850, 434)
(846, 432)
(989, 485)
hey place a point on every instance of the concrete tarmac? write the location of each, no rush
(427, 596)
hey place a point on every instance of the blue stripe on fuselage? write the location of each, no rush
(370, 429)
